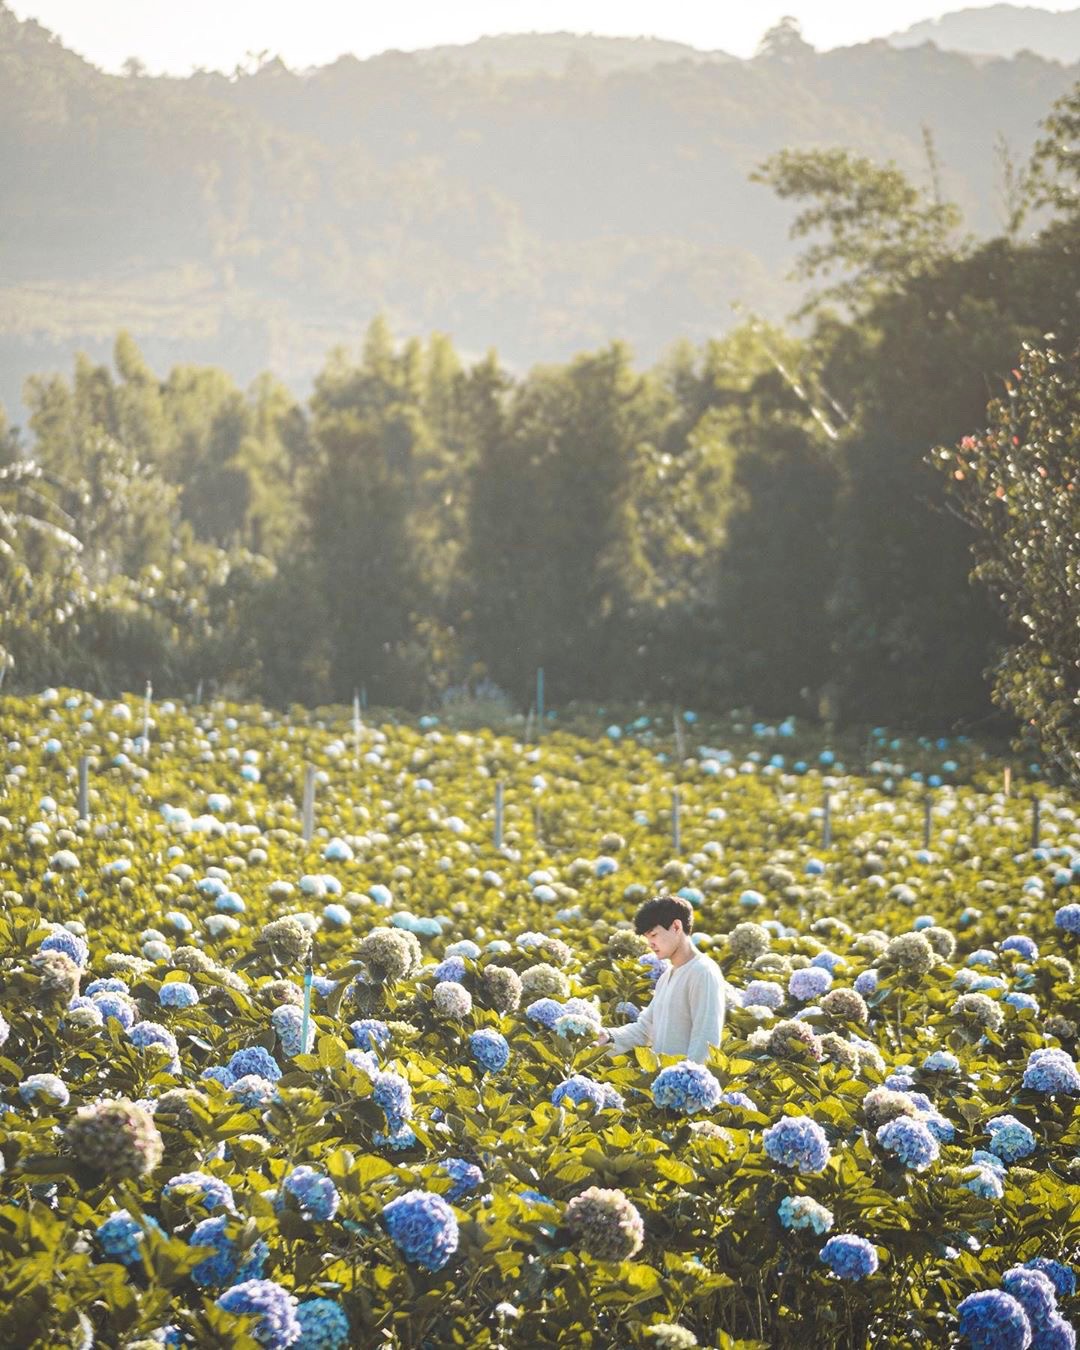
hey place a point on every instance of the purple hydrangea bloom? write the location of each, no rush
(811, 983)
(866, 983)
(763, 994)
(546, 1011)
(451, 968)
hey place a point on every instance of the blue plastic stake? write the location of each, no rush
(304, 1025)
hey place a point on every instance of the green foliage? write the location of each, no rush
(1015, 484)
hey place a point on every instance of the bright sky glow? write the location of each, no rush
(218, 34)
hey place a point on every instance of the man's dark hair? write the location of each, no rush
(663, 911)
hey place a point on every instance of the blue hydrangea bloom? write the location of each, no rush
(800, 1211)
(1021, 944)
(1034, 1291)
(941, 1061)
(990, 1160)
(399, 1135)
(573, 1024)
(900, 1082)
(146, 1034)
(450, 968)
(51, 1090)
(466, 1176)
(578, 1088)
(288, 1021)
(1054, 1334)
(797, 1141)
(1067, 918)
(423, 1226)
(738, 1099)
(252, 1091)
(323, 1325)
(866, 983)
(1010, 1139)
(394, 1095)
(1061, 1276)
(910, 1140)
(686, 1087)
(490, 1049)
(992, 1320)
(982, 957)
(1022, 1001)
(255, 1059)
(209, 1191)
(811, 983)
(226, 1264)
(109, 985)
(370, 1034)
(546, 1011)
(849, 1257)
(1051, 1071)
(117, 1005)
(764, 994)
(178, 994)
(277, 1327)
(121, 1237)
(943, 1130)
(220, 1073)
(311, 1192)
(629, 1012)
(70, 944)
(985, 1183)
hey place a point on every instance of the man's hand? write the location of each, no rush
(603, 1037)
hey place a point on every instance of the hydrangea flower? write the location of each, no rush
(686, 1087)
(394, 1095)
(257, 1060)
(1050, 1071)
(1061, 1276)
(465, 1175)
(1021, 1001)
(211, 1192)
(985, 1183)
(1010, 1139)
(800, 1211)
(117, 1138)
(275, 1308)
(1067, 918)
(1022, 945)
(46, 1087)
(370, 1034)
(763, 994)
(121, 1237)
(422, 1225)
(799, 1142)
(1034, 1291)
(452, 1000)
(941, 1061)
(866, 984)
(809, 984)
(311, 1193)
(323, 1325)
(849, 1257)
(178, 994)
(490, 1049)
(910, 1140)
(288, 1022)
(253, 1091)
(993, 1320)
(118, 1005)
(578, 1088)
(450, 968)
(69, 943)
(607, 1224)
(226, 1264)
(569, 1025)
(219, 1073)
(546, 1011)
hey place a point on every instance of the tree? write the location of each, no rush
(1016, 483)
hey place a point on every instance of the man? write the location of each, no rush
(686, 1014)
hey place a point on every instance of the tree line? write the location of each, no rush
(755, 519)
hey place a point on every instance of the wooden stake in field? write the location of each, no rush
(1006, 780)
(676, 831)
(826, 823)
(1035, 812)
(84, 787)
(356, 729)
(680, 740)
(536, 823)
(498, 815)
(928, 806)
(308, 810)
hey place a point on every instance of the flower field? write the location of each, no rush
(258, 1089)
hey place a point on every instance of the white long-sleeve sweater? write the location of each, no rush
(685, 1016)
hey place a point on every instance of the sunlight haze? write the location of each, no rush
(220, 35)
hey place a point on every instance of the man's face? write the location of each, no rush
(663, 941)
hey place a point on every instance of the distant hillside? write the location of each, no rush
(560, 53)
(510, 193)
(1000, 30)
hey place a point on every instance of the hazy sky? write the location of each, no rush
(217, 34)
